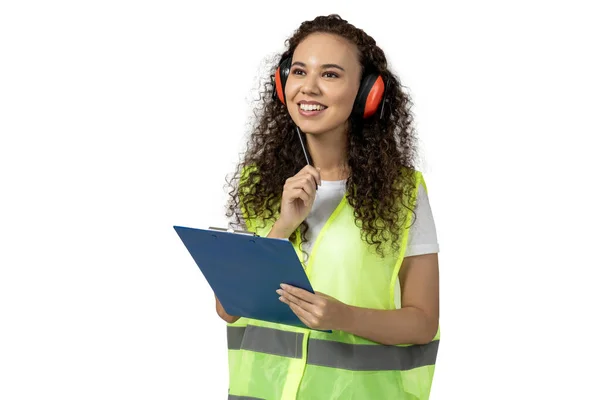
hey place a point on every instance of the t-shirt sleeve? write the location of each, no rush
(422, 236)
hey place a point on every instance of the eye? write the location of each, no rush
(297, 71)
(330, 75)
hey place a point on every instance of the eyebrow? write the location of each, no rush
(324, 66)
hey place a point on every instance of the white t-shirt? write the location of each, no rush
(422, 236)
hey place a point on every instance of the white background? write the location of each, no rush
(120, 119)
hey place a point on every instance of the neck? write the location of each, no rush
(328, 152)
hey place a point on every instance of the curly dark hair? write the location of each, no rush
(380, 153)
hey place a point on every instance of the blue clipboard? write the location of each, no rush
(244, 270)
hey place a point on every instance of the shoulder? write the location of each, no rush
(414, 178)
(249, 176)
(411, 172)
(247, 170)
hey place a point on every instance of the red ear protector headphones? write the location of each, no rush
(369, 97)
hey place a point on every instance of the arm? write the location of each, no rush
(223, 314)
(417, 321)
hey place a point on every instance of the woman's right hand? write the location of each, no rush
(297, 200)
(223, 314)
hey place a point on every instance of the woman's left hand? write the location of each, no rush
(317, 311)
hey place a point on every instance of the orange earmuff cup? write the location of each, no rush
(279, 86)
(374, 97)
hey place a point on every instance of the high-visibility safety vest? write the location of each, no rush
(274, 361)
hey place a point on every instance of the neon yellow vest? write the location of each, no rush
(273, 361)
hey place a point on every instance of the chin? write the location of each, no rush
(319, 130)
(315, 130)
(311, 130)
(315, 127)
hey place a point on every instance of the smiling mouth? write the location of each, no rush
(311, 109)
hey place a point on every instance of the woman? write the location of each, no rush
(357, 213)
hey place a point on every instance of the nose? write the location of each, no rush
(310, 84)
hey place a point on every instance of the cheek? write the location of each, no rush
(291, 90)
(343, 100)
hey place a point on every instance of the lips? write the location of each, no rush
(311, 108)
(310, 102)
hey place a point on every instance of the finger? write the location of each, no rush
(309, 187)
(295, 300)
(310, 302)
(299, 194)
(315, 172)
(311, 172)
(300, 293)
(308, 324)
(307, 318)
(310, 183)
(303, 181)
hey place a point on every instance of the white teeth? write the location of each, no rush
(311, 107)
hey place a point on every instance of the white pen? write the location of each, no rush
(302, 144)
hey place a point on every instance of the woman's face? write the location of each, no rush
(323, 82)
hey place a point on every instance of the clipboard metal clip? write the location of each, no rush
(212, 228)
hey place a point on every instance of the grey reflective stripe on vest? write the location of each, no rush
(265, 340)
(326, 353)
(368, 357)
(232, 397)
(235, 334)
